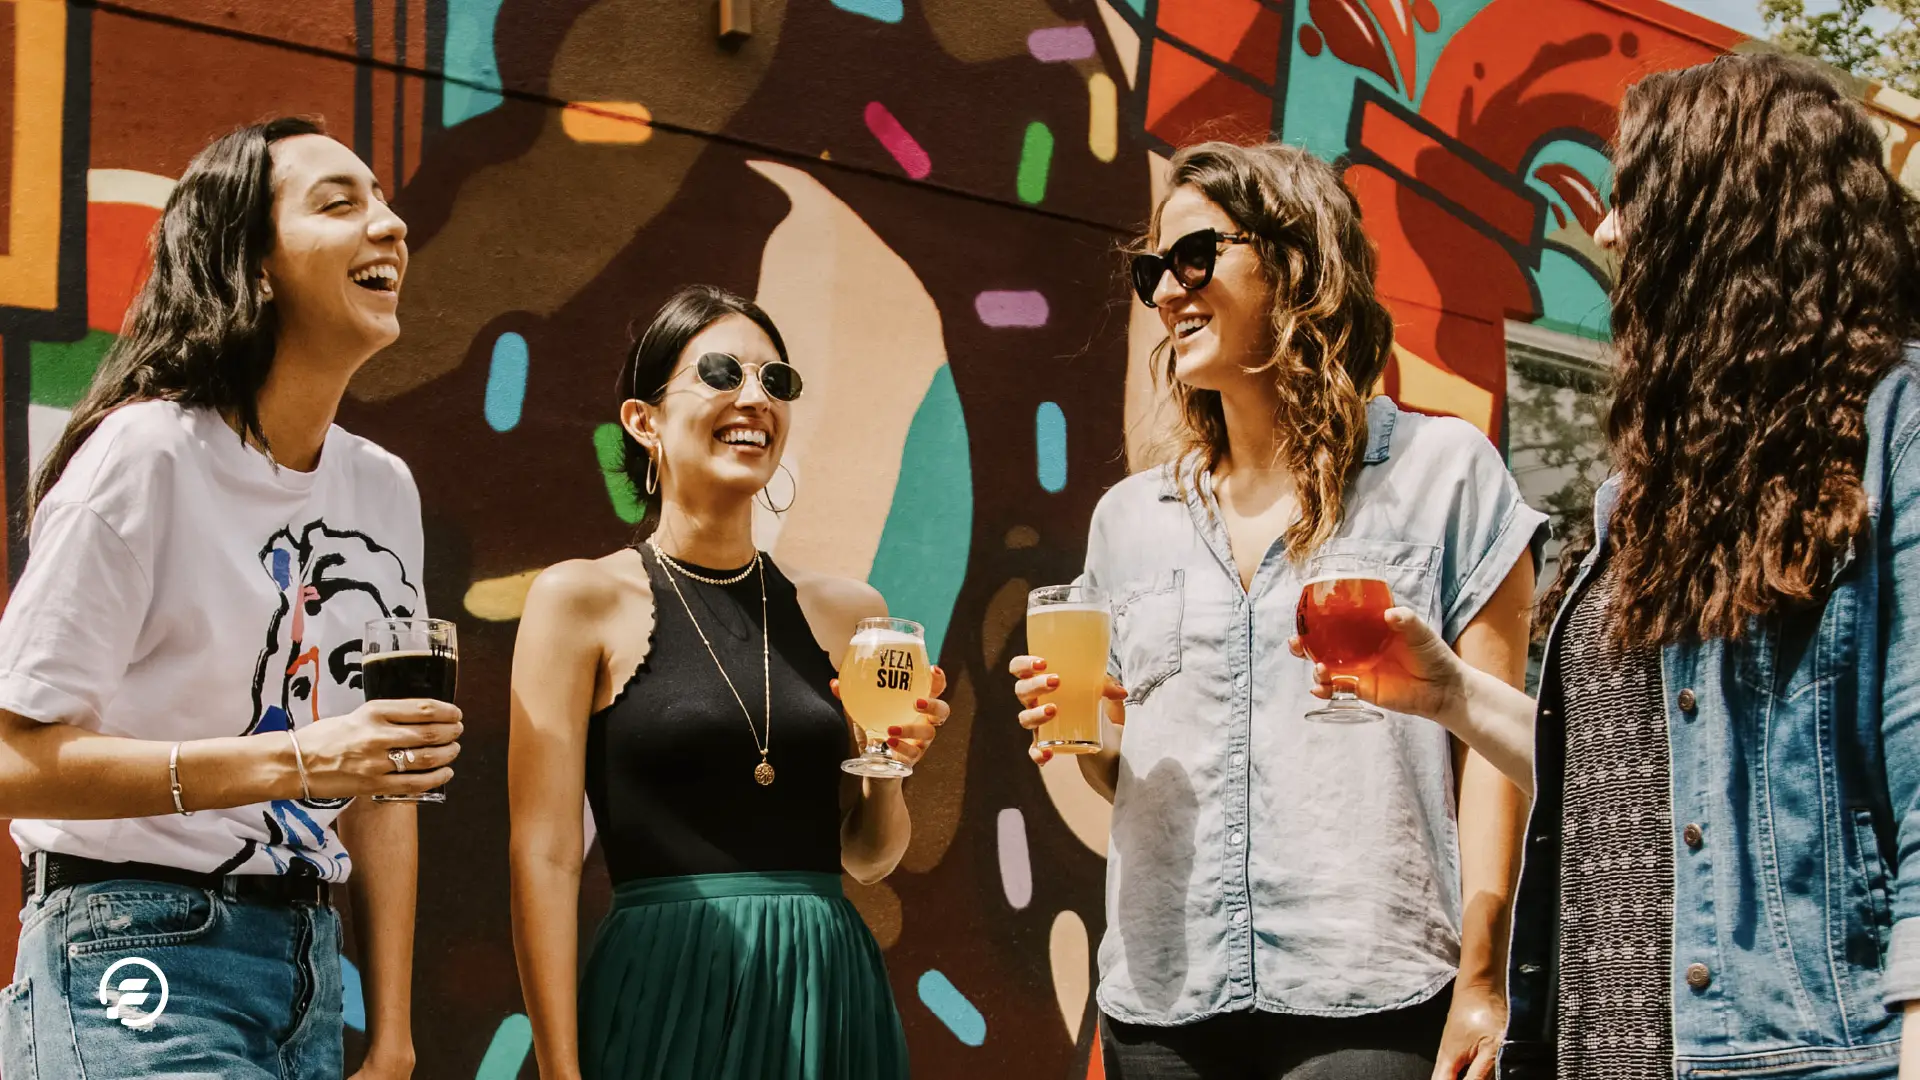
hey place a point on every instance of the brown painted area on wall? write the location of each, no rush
(205, 85)
(8, 90)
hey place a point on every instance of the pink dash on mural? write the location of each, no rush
(1011, 308)
(905, 149)
(1060, 43)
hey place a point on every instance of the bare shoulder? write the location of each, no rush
(588, 590)
(837, 599)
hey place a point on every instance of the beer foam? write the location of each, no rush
(874, 635)
(1345, 577)
(1035, 609)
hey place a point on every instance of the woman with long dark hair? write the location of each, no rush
(181, 724)
(1724, 867)
(1288, 898)
(685, 686)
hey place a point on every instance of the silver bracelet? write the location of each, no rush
(173, 781)
(301, 764)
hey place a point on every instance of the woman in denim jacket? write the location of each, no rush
(1724, 867)
(1285, 897)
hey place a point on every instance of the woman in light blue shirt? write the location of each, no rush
(1288, 898)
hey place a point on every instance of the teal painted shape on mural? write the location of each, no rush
(1572, 300)
(922, 557)
(508, 1050)
(62, 370)
(353, 1000)
(888, 11)
(1036, 158)
(945, 1001)
(1138, 7)
(1050, 446)
(470, 58)
(610, 451)
(1319, 102)
(506, 382)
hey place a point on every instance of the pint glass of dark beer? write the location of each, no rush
(410, 658)
(1342, 623)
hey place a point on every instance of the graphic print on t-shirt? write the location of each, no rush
(331, 582)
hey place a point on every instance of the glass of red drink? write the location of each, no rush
(1342, 623)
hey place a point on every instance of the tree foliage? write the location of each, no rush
(1877, 41)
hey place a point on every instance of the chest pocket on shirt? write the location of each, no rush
(1146, 632)
(1411, 570)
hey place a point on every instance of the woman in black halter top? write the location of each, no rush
(685, 686)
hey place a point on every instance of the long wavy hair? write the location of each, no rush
(1767, 282)
(1331, 335)
(198, 332)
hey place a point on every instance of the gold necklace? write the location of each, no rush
(762, 773)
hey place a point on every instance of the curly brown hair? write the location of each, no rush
(1768, 280)
(1331, 335)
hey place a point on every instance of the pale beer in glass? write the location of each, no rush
(885, 674)
(1071, 627)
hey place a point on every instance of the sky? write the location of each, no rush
(1740, 14)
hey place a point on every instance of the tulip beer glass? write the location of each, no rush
(886, 672)
(1342, 624)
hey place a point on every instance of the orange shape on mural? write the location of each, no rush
(1244, 33)
(607, 122)
(1190, 100)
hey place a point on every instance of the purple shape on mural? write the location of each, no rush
(1056, 43)
(1010, 308)
(1022, 307)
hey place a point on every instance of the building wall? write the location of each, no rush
(929, 196)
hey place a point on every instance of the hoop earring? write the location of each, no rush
(766, 500)
(653, 476)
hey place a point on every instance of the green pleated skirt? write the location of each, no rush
(759, 976)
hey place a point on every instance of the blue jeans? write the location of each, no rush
(152, 980)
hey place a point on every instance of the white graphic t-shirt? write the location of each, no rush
(179, 587)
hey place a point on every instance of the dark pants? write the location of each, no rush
(1398, 1045)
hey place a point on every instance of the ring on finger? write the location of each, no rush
(400, 758)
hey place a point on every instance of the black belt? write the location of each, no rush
(46, 871)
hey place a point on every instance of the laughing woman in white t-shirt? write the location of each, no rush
(181, 722)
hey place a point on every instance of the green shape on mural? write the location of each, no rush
(1036, 156)
(1139, 7)
(922, 558)
(609, 450)
(62, 370)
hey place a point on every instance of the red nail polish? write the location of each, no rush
(893, 731)
(921, 705)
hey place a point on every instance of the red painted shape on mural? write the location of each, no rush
(1420, 155)
(1395, 21)
(1244, 33)
(1096, 1064)
(1579, 192)
(1351, 35)
(1190, 100)
(1310, 40)
(117, 235)
(1426, 15)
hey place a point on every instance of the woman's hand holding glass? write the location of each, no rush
(1032, 685)
(1418, 674)
(908, 742)
(348, 756)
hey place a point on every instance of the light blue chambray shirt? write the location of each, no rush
(1257, 859)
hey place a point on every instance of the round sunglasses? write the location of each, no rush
(725, 373)
(1190, 259)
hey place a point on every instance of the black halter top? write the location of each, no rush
(670, 762)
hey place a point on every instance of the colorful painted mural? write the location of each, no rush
(929, 196)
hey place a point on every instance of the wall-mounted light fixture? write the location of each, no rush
(736, 20)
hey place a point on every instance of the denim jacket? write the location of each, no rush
(1796, 775)
(1259, 860)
